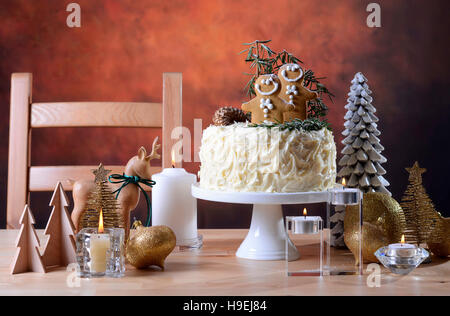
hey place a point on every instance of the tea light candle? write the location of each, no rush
(173, 204)
(305, 224)
(345, 196)
(402, 249)
(99, 245)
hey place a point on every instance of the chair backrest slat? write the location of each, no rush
(44, 178)
(96, 114)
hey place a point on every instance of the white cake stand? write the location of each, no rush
(267, 236)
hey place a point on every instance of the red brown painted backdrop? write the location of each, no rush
(123, 47)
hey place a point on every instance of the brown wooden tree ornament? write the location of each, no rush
(60, 249)
(28, 257)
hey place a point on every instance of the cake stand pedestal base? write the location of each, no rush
(266, 238)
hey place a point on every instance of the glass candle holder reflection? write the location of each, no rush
(101, 253)
(306, 233)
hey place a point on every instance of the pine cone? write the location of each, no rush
(228, 115)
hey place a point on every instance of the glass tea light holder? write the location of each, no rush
(401, 258)
(100, 251)
(339, 260)
(306, 233)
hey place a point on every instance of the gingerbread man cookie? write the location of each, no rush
(267, 105)
(293, 91)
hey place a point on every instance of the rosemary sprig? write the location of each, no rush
(265, 61)
(308, 125)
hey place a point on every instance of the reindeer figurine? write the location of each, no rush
(128, 198)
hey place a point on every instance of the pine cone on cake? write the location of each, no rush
(229, 115)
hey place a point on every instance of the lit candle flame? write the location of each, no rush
(305, 212)
(173, 158)
(100, 223)
(343, 182)
(402, 241)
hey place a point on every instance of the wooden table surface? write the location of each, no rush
(215, 270)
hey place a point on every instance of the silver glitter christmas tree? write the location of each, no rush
(362, 159)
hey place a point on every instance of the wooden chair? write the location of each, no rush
(25, 115)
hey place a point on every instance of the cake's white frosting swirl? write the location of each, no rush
(258, 159)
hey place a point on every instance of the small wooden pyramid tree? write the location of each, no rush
(60, 249)
(420, 214)
(28, 257)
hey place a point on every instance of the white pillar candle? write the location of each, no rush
(99, 245)
(173, 204)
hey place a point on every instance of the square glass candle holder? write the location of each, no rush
(101, 254)
(339, 260)
(306, 233)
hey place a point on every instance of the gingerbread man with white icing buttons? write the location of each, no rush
(267, 105)
(293, 91)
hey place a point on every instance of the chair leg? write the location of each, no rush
(19, 137)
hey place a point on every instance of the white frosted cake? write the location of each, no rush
(244, 158)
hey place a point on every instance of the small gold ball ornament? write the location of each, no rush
(383, 224)
(150, 245)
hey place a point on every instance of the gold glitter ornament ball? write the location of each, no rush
(150, 245)
(383, 224)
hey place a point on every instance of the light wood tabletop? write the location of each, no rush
(215, 270)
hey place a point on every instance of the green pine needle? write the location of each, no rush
(266, 61)
(308, 125)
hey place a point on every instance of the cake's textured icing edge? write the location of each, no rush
(258, 159)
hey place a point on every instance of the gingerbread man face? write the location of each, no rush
(293, 91)
(267, 105)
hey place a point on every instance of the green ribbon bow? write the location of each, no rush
(126, 180)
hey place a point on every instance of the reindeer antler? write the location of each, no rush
(154, 154)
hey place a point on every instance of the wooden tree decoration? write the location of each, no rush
(362, 159)
(420, 214)
(101, 199)
(60, 249)
(28, 257)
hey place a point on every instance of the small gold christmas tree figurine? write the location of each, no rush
(101, 199)
(420, 214)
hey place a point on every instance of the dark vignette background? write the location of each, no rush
(123, 47)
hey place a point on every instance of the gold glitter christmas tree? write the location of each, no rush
(101, 199)
(420, 214)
